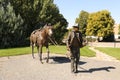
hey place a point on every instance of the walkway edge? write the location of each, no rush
(103, 56)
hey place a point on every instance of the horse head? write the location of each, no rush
(48, 29)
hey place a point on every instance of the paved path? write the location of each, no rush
(102, 56)
(25, 68)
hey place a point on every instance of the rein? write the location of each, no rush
(55, 43)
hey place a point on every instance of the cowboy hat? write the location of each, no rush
(76, 26)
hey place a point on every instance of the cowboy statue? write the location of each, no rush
(74, 43)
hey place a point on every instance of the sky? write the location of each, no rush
(70, 9)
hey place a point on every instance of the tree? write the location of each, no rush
(18, 18)
(100, 24)
(36, 13)
(30, 12)
(82, 21)
(11, 29)
(60, 28)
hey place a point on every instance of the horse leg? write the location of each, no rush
(38, 50)
(32, 50)
(40, 53)
(47, 54)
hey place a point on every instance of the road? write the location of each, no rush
(25, 68)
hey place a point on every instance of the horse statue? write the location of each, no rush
(40, 38)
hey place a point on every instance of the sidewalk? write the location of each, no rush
(103, 56)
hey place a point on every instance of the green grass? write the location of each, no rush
(85, 51)
(62, 50)
(15, 51)
(53, 49)
(115, 52)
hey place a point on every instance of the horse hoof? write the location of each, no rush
(47, 61)
(33, 57)
(41, 62)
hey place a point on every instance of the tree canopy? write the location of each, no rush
(10, 26)
(100, 24)
(21, 17)
(38, 12)
(82, 21)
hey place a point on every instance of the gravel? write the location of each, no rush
(25, 68)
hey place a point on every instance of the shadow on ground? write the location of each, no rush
(83, 70)
(61, 59)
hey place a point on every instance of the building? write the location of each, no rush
(116, 31)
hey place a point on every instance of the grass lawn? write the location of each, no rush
(53, 49)
(115, 52)
(85, 51)
(15, 51)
